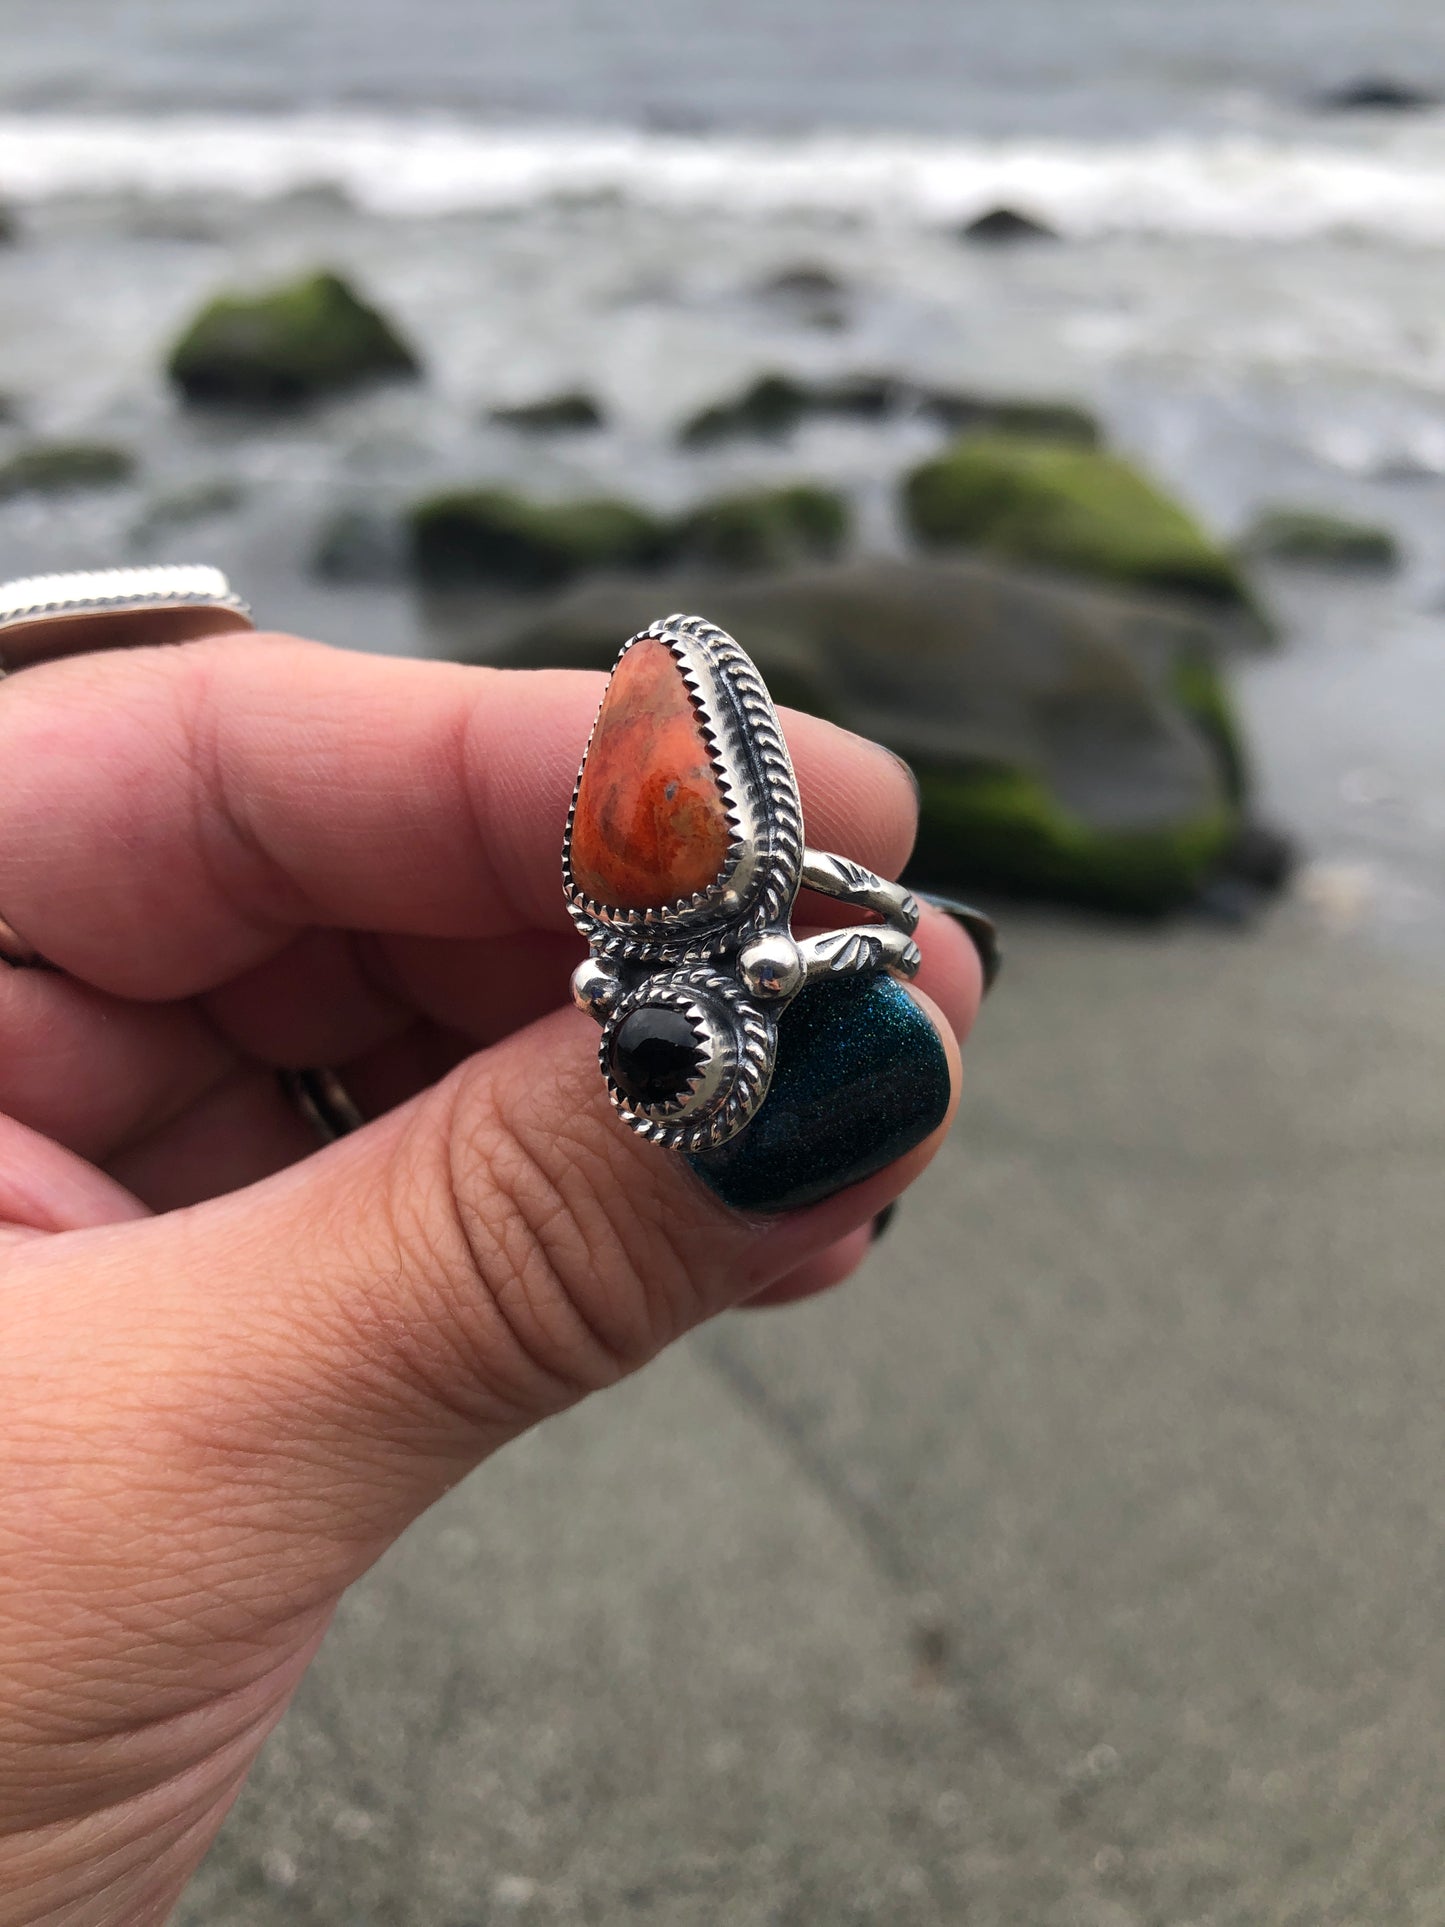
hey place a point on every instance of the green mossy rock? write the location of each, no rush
(1051, 421)
(764, 529)
(1000, 829)
(1315, 539)
(1074, 509)
(498, 538)
(571, 413)
(1071, 743)
(774, 406)
(60, 468)
(293, 344)
(768, 410)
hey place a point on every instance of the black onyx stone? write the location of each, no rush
(654, 1055)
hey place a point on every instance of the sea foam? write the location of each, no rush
(1235, 186)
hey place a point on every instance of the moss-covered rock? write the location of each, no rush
(572, 413)
(775, 405)
(497, 537)
(768, 409)
(292, 344)
(1315, 539)
(961, 411)
(764, 529)
(1071, 743)
(1000, 829)
(1074, 509)
(60, 468)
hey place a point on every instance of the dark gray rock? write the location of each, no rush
(1377, 94)
(1315, 538)
(805, 282)
(814, 296)
(62, 468)
(499, 538)
(1070, 743)
(767, 410)
(963, 411)
(1007, 226)
(360, 544)
(763, 529)
(574, 412)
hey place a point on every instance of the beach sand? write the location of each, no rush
(1077, 1566)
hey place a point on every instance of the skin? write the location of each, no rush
(235, 1367)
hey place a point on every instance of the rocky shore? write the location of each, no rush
(1048, 644)
(1043, 631)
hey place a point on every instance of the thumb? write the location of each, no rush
(337, 1345)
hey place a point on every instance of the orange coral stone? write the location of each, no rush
(650, 825)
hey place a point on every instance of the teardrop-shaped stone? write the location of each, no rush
(650, 827)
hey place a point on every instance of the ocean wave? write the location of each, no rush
(1226, 186)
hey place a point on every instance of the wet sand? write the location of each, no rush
(1078, 1566)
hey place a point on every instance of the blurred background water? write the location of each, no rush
(1140, 1450)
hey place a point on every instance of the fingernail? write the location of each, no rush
(981, 931)
(908, 771)
(884, 1219)
(861, 1077)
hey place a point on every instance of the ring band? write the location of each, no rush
(682, 858)
(44, 617)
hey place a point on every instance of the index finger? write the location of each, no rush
(172, 816)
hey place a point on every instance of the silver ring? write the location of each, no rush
(323, 1101)
(46, 616)
(683, 856)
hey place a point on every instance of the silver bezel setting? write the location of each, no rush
(737, 1042)
(759, 879)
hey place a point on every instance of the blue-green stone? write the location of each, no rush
(861, 1077)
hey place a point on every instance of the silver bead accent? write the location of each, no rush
(596, 987)
(771, 966)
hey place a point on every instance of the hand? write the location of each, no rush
(234, 1367)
